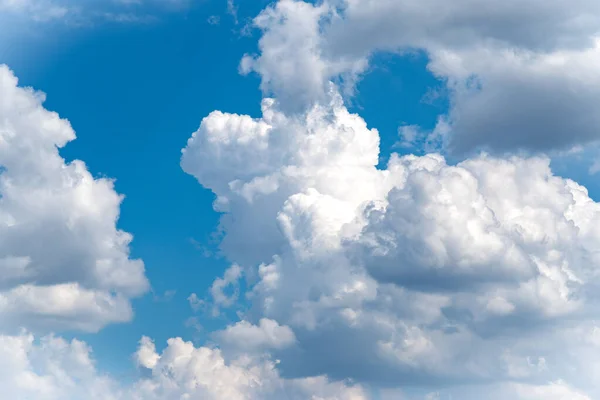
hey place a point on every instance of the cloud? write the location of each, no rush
(221, 299)
(422, 273)
(64, 263)
(188, 372)
(505, 100)
(85, 13)
(554, 391)
(195, 302)
(38, 10)
(519, 75)
(291, 64)
(247, 338)
(50, 368)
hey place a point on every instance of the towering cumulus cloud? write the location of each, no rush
(480, 275)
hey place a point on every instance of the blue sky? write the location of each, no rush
(136, 80)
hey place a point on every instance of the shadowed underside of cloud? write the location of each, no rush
(520, 75)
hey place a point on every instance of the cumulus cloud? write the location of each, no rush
(50, 368)
(64, 263)
(291, 64)
(183, 371)
(248, 338)
(422, 273)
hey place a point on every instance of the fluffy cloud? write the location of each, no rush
(50, 368)
(292, 66)
(39, 10)
(217, 289)
(183, 371)
(63, 262)
(520, 75)
(418, 273)
(247, 338)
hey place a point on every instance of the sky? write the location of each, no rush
(333, 200)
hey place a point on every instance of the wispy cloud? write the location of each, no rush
(89, 13)
(38, 10)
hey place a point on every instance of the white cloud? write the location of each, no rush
(219, 289)
(247, 338)
(50, 368)
(64, 263)
(195, 302)
(183, 371)
(422, 272)
(291, 64)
